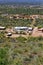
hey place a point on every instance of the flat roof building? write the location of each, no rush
(30, 28)
(20, 28)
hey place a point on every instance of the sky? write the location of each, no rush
(22, 0)
(41, 1)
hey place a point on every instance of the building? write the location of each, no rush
(9, 34)
(2, 28)
(22, 29)
(34, 16)
(41, 29)
(30, 28)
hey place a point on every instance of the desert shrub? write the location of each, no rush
(3, 56)
(35, 39)
(21, 39)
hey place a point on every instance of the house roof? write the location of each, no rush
(2, 27)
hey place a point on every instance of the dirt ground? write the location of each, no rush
(35, 33)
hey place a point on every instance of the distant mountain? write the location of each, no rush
(22, 1)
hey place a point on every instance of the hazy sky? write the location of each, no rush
(21, 0)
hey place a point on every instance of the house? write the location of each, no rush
(41, 29)
(16, 16)
(9, 34)
(11, 17)
(30, 28)
(2, 28)
(34, 16)
(21, 28)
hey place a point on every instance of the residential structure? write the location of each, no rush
(22, 29)
(41, 29)
(9, 34)
(2, 28)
